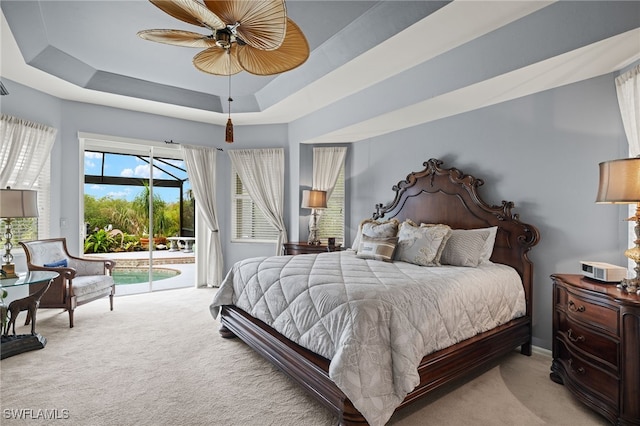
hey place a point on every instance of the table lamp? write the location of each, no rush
(620, 184)
(14, 203)
(314, 200)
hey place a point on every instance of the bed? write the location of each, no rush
(435, 195)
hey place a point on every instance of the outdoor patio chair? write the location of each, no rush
(81, 280)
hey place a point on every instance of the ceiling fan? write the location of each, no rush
(251, 35)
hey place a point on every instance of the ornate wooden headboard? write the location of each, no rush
(439, 195)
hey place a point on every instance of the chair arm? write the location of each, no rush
(88, 266)
(67, 273)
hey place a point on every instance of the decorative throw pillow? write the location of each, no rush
(487, 248)
(373, 228)
(377, 248)
(58, 264)
(421, 245)
(464, 247)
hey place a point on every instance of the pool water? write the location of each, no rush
(141, 275)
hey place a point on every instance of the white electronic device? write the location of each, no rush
(603, 271)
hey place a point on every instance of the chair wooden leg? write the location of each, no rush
(70, 318)
(111, 301)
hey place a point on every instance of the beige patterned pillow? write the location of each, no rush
(373, 228)
(421, 245)
(465, 247)
(377, 248)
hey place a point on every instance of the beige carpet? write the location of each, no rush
(157, 359)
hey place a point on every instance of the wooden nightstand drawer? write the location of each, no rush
(601, 347)
(588, 377)
(579, 307)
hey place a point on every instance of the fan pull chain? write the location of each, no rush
(229, 129)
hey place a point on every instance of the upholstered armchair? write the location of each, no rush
(81, 280)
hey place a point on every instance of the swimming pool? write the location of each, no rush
(141, 275)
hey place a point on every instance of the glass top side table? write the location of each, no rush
(12, 344)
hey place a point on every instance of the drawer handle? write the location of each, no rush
(573, 307)
(579, 370)
(574, 339)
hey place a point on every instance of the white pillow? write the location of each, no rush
(375, 229)
(421, 245)
(487, 248)
(465, 247)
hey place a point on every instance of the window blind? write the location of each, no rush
(248, 224)
(331, 222)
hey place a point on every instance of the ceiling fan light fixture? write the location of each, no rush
(223, 39)
(259, 30)
(255, 36)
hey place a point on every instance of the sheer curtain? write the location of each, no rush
(201, 169)
(25, 148)
(262, 173)
(628, 89)
(326, 168)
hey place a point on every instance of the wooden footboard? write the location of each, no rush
(311, 371)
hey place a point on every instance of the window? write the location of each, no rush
(331, 222)
(116, 185)
(248, 224)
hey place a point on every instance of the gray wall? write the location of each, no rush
(540, 151)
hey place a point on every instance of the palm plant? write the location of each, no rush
(141, 205)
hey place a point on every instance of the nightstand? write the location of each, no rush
(305, 248)
(596, 345)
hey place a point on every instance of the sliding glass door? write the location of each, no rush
(139, 211)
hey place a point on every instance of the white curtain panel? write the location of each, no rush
(201, 169)
(326, 168)
(327, 163)
(262, 174)
(24, 150)
(628, 90)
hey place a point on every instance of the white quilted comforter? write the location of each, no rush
(374, 320)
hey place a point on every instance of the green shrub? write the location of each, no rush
(99, 242)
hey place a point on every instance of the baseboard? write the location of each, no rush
(541, 351)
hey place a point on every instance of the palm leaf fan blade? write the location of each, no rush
(263, 23)
(190, 11)
(293, 53)
(216, 61)
(178, 38)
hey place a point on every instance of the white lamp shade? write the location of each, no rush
(18, 203)
(314, 199)
(619, 181)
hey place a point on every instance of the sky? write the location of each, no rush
(129, 166)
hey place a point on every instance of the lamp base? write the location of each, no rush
(313, 229)
(313, 238)
(8, 271)
(630, 285)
